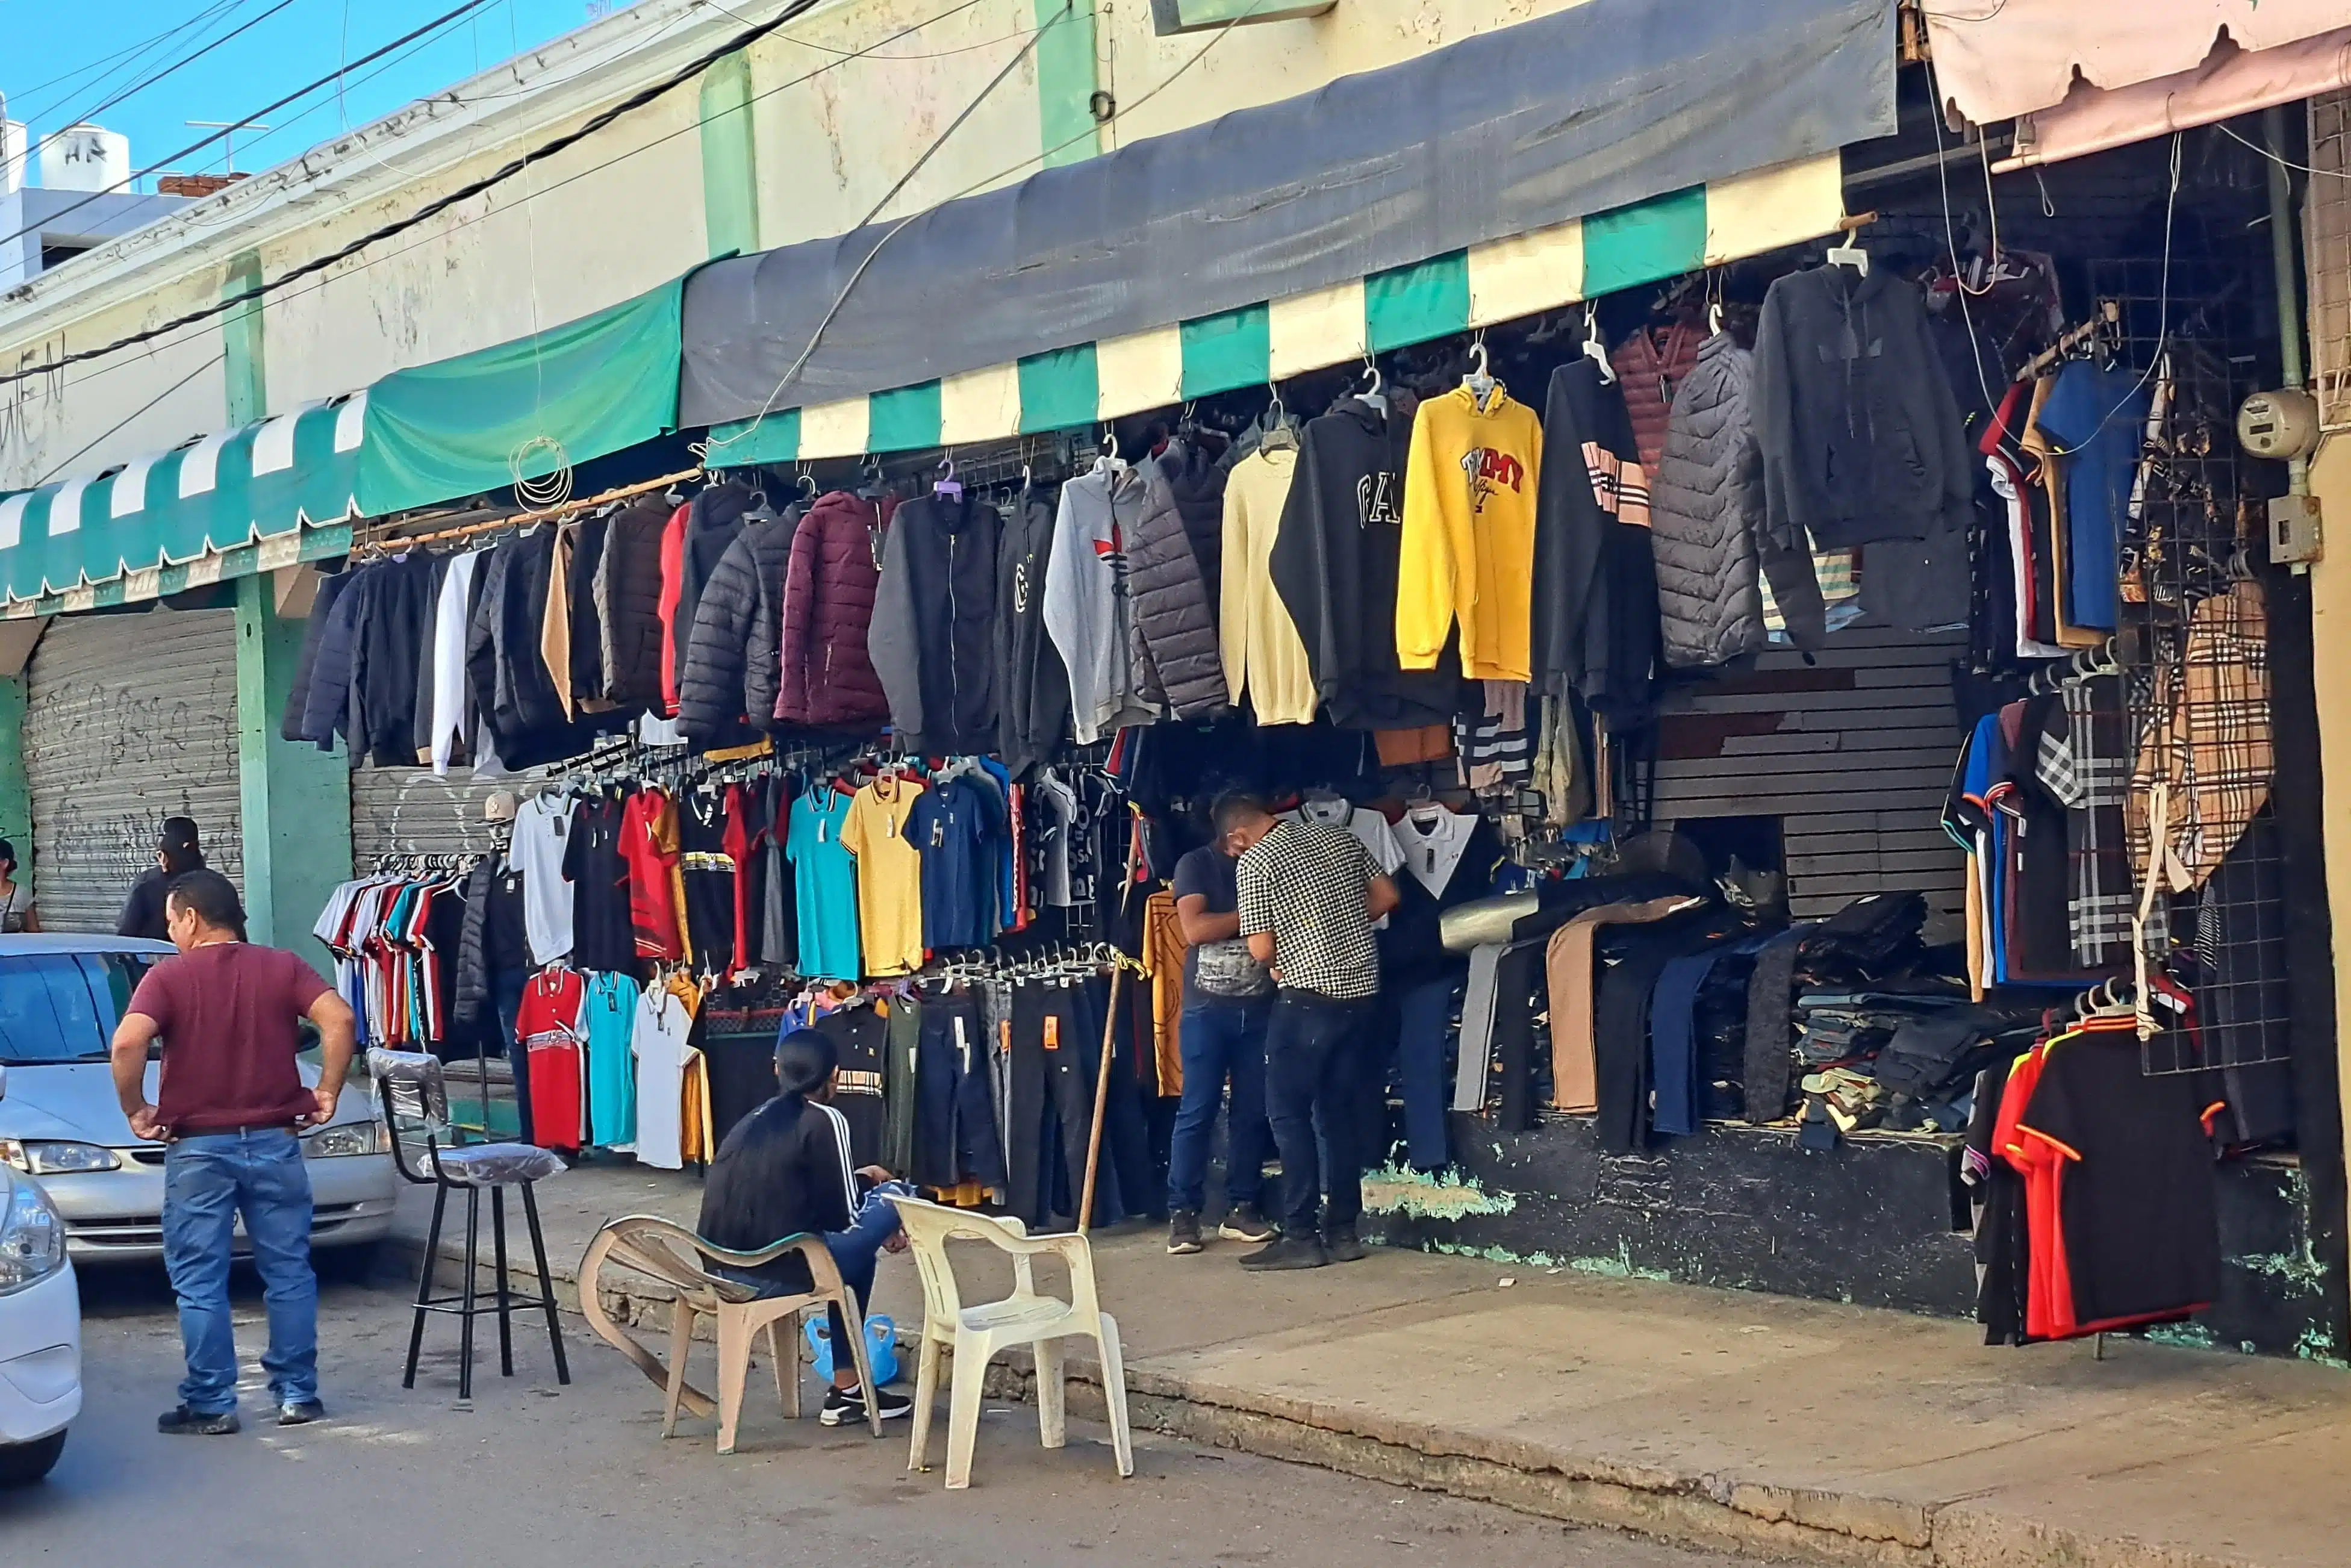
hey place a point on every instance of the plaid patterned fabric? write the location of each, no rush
(2210, 738)
(2083, 759)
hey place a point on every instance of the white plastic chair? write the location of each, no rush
(976, 1333)
(674, 1255)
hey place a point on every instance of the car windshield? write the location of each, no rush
(62, 1006)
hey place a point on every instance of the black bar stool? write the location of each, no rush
(414, 1094)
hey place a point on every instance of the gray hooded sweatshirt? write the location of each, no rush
(1086, 609)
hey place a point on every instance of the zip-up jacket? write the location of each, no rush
(731, 662)
(1086, 606)
(826, 675)
(627, 591)
(1032, 685)
(934, 632)
(1170, 628)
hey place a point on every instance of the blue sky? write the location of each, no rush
(55, 67)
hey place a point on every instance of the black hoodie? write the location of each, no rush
(1861, 436)
(1032, 687)
(933, 634)
(1334, 564)
(1595, 582)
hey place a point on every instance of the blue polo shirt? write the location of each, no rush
(954, 828)
(2097, 417)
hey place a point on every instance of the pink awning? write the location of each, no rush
(1995, 59)
(2232, 81)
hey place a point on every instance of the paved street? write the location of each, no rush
(531, 1476)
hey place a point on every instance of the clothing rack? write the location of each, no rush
(524, 518)
(2108, 319)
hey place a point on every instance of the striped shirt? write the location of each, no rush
(1309, 885)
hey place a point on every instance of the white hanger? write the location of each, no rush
(1850, 253)
(1479, 383)
(1372, 395)
(1110, 462)
(1714, 319)
(1595, 348)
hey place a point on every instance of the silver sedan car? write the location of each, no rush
(60, 997)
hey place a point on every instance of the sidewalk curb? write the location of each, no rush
(1718, 1512)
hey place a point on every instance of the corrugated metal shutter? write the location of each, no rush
(1852, 753)
(128, 719)
(408, 811)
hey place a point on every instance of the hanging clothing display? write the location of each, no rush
(933, 641)
(1087, 609)
(825, 676)
(889, 874)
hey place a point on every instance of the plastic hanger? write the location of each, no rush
(1373, 393)
(1277, 435)
(1110, 462)
(947, 487)
(1480, 383)
(1595, 348)
(1850, 254)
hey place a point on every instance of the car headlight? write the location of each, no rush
(32, 1234)
(342, 1139)
(36, 1157)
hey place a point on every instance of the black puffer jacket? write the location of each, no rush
(1196, 479)
(934, 632)
(627, 592)
(1032, 685)
(1707, 524)
(521, 715)
(712, 523)
(730, 663)
(472, 992)
(1173, 631)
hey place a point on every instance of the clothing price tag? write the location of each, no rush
(963, 1045)
(890, 825)
(1053, 1033)
(1428, 859)
(939, 841)
(821, 825)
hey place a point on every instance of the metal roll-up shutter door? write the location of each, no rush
(408, 811)
(1852, 753)
(128, 719)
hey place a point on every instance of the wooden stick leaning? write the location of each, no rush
(1101, 1104)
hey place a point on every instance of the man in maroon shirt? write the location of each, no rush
(231, 1107)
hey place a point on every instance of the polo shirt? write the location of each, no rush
(889, 875)
(954, 828)
(824, 885)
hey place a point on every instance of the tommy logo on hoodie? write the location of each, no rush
(1375, 501)
(1489, 470)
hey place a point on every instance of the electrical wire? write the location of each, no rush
(2223, 127)
(441, 203)
(56, 468)
(123, 59)
(164, 329)
(895, 229)
(143, 84)
(227, 131)
(143, 46)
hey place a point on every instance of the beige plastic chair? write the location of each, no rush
(976, 1333)
(673, 1254)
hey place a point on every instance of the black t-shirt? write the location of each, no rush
(505, 943)
(601, 934)
(1233, 975)
(2142, 1231)
(708, 873)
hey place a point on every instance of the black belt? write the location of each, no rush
(237, 1132)
(1313, 998)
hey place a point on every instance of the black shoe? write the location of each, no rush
(1285, 1253)
(1248, 1223)
(846, 1407)
(186, 1422)
(1341, 1245)
(301, 1412)
(1183, 1234)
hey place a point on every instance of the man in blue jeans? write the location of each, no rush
(231, 1107)
(1227, 996)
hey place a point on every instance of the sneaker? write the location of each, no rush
(1183, 1234)
(1285, 1253)
(846, 1407)
(1247, 1222)
(301, 1412)
(186, 1423)
(1341, 1245)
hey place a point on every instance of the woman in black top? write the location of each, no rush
(785, 1170)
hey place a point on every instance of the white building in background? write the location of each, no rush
(71, 194)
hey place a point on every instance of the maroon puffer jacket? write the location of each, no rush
(827, 678)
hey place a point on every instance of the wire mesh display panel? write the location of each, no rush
(2192, 639)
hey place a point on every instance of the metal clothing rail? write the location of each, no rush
(524, 517)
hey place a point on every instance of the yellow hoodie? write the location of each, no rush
(1469, 535)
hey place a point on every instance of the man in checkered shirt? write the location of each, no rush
(1307, 896)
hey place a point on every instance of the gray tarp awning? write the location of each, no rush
(1586, 111)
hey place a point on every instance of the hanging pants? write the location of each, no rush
(954, 1121)
(1423, 1016)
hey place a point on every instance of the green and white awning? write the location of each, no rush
(1664, 237)
(266, 495)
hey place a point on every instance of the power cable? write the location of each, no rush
(139, 48)
(227, 131)
(124, 59)
(141, 86)
(56, 468)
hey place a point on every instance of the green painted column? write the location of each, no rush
(1068, 72)
(15, 795)
(297, 798)
(730, 165)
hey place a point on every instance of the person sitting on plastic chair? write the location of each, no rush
(784, 1171)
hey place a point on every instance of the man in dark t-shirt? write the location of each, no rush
(1227, 996)
(231, 1105)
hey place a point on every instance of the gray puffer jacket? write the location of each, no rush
(1172, 630)
(1707, 524)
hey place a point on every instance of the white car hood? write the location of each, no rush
(77, 1102)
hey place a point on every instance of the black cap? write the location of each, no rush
(179, 834)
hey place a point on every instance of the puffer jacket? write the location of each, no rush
(826, 678)
(1172, 630)
(712, 522)
(1196, 479)
(1708, 529)
(628, 605)
(471, 996)
(730, 660)
(935, 623)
